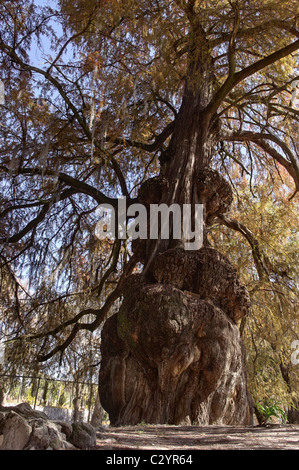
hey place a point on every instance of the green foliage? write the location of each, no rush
(269, 409)
(271, 277)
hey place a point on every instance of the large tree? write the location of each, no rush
(154, 101)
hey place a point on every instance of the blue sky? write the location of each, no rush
(38, 55)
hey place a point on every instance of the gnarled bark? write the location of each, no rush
(171, 357)
(173, 352)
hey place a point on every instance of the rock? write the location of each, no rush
(47, 435)
(83, 436)
(65, 428)
(25, 410)
(69, 446)
(16, 432)
(22, 428)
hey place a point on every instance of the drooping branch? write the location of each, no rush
(71, 39)
(32, 225)
(101, 315)
(255, 96)
(19, 206)
(47, 75)
(79, 186)
(112, 267)
(17, 286)
(232, 42)
(260, 139)
(262, 263)
(149, 147)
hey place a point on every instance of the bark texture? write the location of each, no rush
(173, 356)
(173, 353)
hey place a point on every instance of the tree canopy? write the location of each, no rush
(93, 92)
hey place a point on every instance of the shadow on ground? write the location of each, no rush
(163, 437)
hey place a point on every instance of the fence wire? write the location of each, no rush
(71, 400)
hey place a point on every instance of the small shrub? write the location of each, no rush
(267, 410)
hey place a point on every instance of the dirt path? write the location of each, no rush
(274, 437)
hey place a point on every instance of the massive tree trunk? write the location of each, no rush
(173, 353)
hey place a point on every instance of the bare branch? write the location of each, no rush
(45, 73)
(232, 45)
(75, 36)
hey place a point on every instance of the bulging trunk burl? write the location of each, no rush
(173, 353)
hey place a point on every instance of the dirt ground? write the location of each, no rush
(162, 437)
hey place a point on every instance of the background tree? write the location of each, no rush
(187, 91)
(270, 329)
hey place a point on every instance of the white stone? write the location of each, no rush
(16, 432)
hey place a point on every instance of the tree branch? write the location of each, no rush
(79, 186)
(259, 138)
(251, 32)
(160, 139)
(75, 36)
(32, 225)
(14, 56)
(260, 260)
(232, 44)
(234, 79)
(101, 315)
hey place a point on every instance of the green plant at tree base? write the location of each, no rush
(268, 409)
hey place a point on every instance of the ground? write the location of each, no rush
(162, 437)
